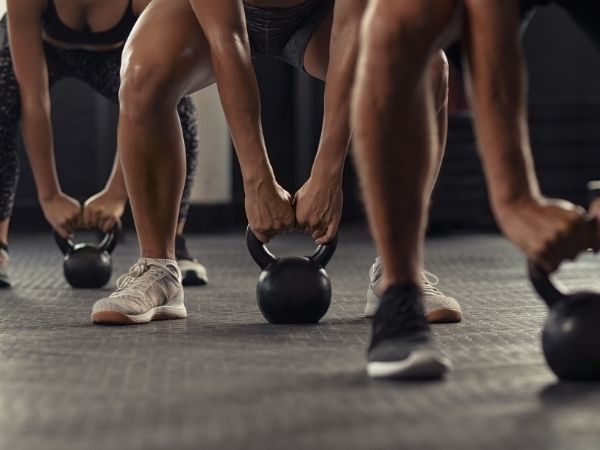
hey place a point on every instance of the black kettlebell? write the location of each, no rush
(88, 265)
(571, 336)
(294, 289)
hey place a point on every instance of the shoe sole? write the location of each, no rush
(420, 365)
(166, 312)
(160, 313)
(438, 316)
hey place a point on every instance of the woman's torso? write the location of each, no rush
(95, 25)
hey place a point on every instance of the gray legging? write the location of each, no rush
(100, 70)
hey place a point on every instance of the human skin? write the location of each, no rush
(26, 41)
(394, 116)
(210, 44)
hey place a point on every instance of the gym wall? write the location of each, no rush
(2, 7)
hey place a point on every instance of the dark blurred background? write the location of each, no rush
(565, 122)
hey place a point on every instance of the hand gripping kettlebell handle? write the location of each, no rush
(261, 256)
(325, 252)
(544, 286)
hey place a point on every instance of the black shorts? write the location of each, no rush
(284, 33)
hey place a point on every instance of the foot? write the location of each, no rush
(4, 260)
(401, 345)
(150, 291)
(193, 272)
(439, 308)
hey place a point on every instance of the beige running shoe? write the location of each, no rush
(4, 260)
(151, 290)
(439, 308)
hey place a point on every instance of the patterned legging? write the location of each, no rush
(100, 70)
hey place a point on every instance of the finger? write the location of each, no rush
(108, 224)
(318, 233)
(262, 237)
(328, 236)
(64, 233)
(85, 217)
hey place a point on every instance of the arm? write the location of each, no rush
(319, 201)
(547, 231)
(105, 208)
(25, 31)
(268, 206)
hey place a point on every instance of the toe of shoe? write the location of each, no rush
(442, 309)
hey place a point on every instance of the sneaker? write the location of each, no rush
(4, 260)
(439, 308)
(401, 345)
(150, 291)
(193, 272)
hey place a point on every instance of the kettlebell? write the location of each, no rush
(88, 265)
(292, 290)
(571, 336)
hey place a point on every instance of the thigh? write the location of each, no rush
(586, 13)
(168, 39)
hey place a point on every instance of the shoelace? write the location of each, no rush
(430, 281)
(133, 278)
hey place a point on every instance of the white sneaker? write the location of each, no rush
(193, 272)
(151, 290)
(439, 308)
(4, 260)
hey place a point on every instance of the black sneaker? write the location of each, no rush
(401, 346)
(192, 271)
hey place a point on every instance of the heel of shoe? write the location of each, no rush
(373, 302)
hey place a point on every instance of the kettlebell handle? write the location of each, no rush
(108, 243)
(544, 286)
(259, 252)
(111, 238)
(264, 258)
(66, 245)
(325, 252)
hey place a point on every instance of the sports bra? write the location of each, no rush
(56, 29)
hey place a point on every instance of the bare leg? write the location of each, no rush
(150, 137)
(398, 138)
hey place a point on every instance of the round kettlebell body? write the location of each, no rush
(571, 338)
(87, 266)
(294, 290)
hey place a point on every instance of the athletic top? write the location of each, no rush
(56, 29)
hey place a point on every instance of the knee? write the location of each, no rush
(145, 89)
(394, 28)
(440, 78)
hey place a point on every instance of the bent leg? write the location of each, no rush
(150, 138)
(102, 72)
(397, 137)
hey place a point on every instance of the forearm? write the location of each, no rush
(115, 185)
(240, 98)
(500, 102)
(36, 127)
(337, 131)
